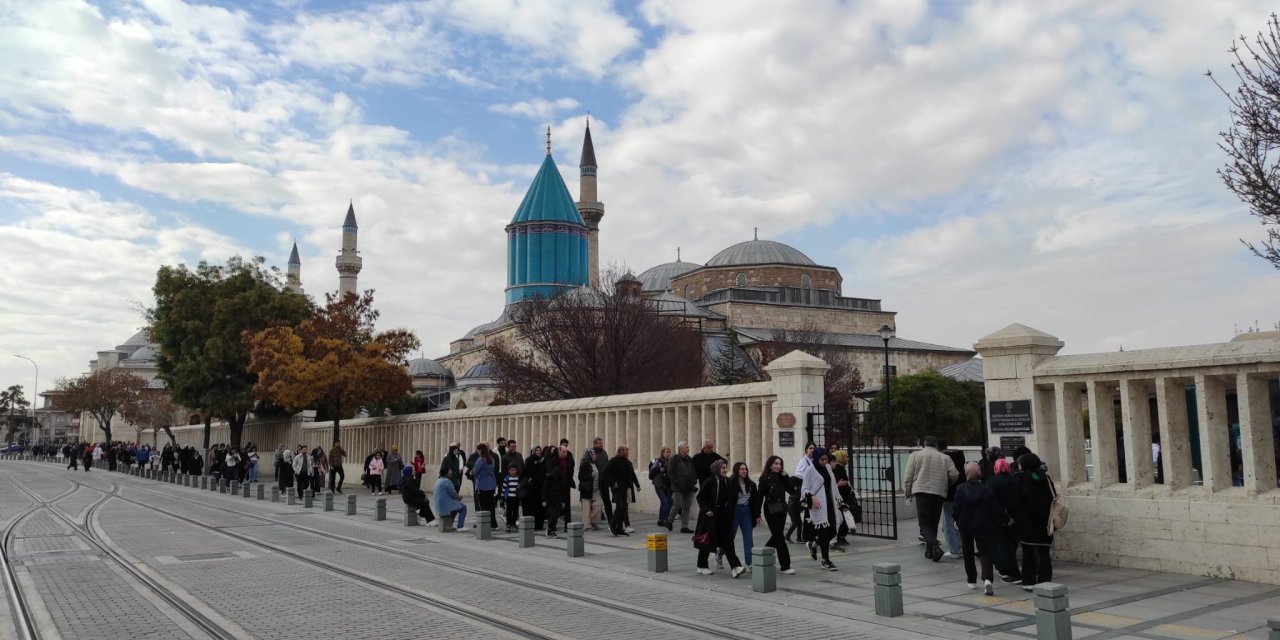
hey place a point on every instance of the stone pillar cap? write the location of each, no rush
(1018, 337)
(797, 362)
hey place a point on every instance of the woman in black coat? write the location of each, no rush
(555, 489)
(1005, 486)
(716, 502)
(775, 491)
(978, 517)
(535, 474)
(1031, 521)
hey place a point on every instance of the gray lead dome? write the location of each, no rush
(659, 278)
(759, 252)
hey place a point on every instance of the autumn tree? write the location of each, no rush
(333, 361)
(931, 404)
(154, 409)
(13, 404)
(103, 394)
(1252, 142)
(841, 381)
(594, 342)
(198, 320)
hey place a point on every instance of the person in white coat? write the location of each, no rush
(819, 493)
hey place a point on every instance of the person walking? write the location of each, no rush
(302, 470)
(601, 459)
(73, 456)
(394, 464)
(555, 488)
(978, 518)
(532, 478)
(746, 509)
(620, 477)
(926, 480)
(682, 479)
(702, 461)
(716, 504)
(661, 488)
(337, 474)
(254, 461)
(511, 495)
(840, 471)
(589, 489)
(818, 492)
(949, 531)
(319, 470)
(375, 474)
(1005, 487)
(284, 470)
(446, 499)
(484, 474)
(1031, 520)
(775, 489)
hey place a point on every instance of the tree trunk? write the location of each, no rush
(337, 418)
(168, 430)
(208, 428)
(106, 428)
(236, 425)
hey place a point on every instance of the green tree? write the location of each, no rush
(13, 402)
(931, 404)
(333, 361)
(198, 320)
(730, 365)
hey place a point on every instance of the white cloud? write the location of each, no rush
(539, 109)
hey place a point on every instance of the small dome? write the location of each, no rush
(759, 252)
(659, 278)
(139, 339)
(481, 370)
(427, 367)
(144, 353)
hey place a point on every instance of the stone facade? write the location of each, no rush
(794, 318)
(700, 282)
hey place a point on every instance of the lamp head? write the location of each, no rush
(886, 332)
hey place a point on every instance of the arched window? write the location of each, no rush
(688, 292)
(805, 281)
(742, 279)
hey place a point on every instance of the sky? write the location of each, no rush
(971, 164)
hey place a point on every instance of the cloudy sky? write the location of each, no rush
(971, 164)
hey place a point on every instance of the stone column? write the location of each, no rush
(1009, 358)
(1175, 438)
(1102, 433)
(798, 387)
(1215, 456)
(1070, 425)
(1135, 410)
(1256, 442)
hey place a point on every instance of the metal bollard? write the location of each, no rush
(351, 505)
(656, 552)
(573, 542)
(446, 522)
(888, 586)
(275, 494)
(262, 491)
(244, 490)
(526, 532)
(173, 477)
(308, 498)
(380, 509)
(234, 488)
(328, 501)
(483, 528)
(1053, 616)
(292, 499)
(410, 516)
(204, 482)
(764, 570)
(213, 484)
(1274, 625)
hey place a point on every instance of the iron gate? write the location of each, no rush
(871, 467)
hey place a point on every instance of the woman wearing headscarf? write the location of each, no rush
(839, 471)
(1005, 487)
(535, 472)
(819, 493)
(1031, 520)
(394, 469)
(716, 504)
(589, 490)
(978, 517)
(775, 489)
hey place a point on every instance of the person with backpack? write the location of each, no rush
(661, 486)
(1032, 505)
(978, 517)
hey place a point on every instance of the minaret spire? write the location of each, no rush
(589, 204)
(293, 280)
(349, 262)
(548, 140)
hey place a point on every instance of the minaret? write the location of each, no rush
(589, 206)
(294, 279)
(348, 261)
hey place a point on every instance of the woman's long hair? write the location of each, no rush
(768, 468)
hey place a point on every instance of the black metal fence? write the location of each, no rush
(870, 468)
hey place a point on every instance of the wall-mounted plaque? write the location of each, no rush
(1010, 416)
(786, 420)
(786, 439)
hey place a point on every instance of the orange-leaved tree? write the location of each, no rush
(333, 361)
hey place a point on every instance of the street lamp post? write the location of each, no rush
(886, 334)
(35, 393)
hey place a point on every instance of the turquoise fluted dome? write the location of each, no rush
(546, 240)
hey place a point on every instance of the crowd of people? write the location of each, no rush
(987, 511)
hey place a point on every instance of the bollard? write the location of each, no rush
(410, 516)
(380, 509)
(888, 586)
(244, 490)
(351, 504)
(483, 528)
(222, 485)
(213, 485)
(204, 482)
(656, 552)
(234, 488)
(173, 477)
(262, 491)
(446, 522)
(526, 532)
(292, 499)
(308, 498)
(275, 494)
(1274, 625)
(328, 501)
(573, 542)
(764, 571)
(1053, 616)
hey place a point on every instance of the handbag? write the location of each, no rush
(849, 520)
(775, 508)
(1057, 509)
(701, 540)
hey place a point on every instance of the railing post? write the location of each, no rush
(656, 552)
(888, 589)
(1053, 619)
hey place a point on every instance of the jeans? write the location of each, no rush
(949, 529)
(742, 522)
(253, 471)
(682, 502)
(984, 546)
(460, 519)
(664, 504)
(928, 512)
(336, 477)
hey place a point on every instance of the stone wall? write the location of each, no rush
(752, 315)
(702, 281)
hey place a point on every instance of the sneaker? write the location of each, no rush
(668, 526)
(433, 523)
(462, 529)
(629, 530)
(704, 571)
(987, 589)
(1008, 579)
(920, 539)
(1028, 587)
(595, 527)
(952, 556)
(737, 571)
(552, 534)
(972, 585)
(789, 571)
(826, 564)
(686, 530)
(748, 568)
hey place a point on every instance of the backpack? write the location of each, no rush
(1058, 510)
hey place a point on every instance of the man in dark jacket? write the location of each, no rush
(684, 483)
(951, 534)
(620, 476)
(555, 488)
(702, 461)
(414, 497)
(602, 459)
